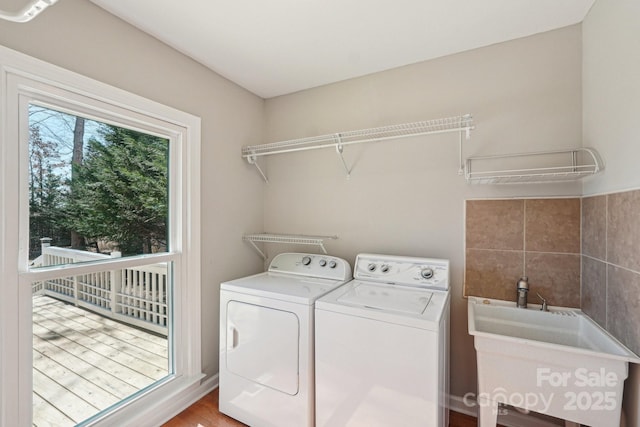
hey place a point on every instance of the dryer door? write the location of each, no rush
(262, 345)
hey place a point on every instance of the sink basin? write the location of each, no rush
(558, 362)
(567, 329)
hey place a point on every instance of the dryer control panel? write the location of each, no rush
(312, 265)
(408, 271)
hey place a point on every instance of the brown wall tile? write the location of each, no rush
(623, 306)
(555, 276)
(594, 226)
(495, 224)
(550, 232)
(594, 289)
(623, 229)
(552, 225)
(493, 274)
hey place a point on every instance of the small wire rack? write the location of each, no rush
(297, 239)
(557, 166)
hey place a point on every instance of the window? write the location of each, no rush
(116, 236)
(95, 188)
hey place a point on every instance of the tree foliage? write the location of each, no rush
(119, 192)
(47, 192)
(111, 188)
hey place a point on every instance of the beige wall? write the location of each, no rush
(81, 37)
(405, 196)
(611, 91)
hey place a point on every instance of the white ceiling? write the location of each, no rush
(275, 47)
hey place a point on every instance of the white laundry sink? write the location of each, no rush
(558, 362)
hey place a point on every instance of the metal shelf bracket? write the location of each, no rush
(254, 161)
(339, 150)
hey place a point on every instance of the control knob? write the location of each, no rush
(322, 262)
(306, 260)
(384, 268)
(371, 267)
(427, 273)
(332, 264)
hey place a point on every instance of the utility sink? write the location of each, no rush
(558, 362)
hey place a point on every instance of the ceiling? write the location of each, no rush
(275, 47)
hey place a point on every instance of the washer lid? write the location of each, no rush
(389, 298)
(401, 305)
(284, 287)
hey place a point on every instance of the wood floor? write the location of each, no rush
(84, 363)
(204, 413)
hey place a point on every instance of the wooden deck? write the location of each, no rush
(83, 363)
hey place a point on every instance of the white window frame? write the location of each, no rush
(25, 80)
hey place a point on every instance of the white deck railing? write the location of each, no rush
(137, 296)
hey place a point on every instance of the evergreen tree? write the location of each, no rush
(119, 192)
(47, 193)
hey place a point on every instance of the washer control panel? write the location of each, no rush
(312, 265)
(409, 271)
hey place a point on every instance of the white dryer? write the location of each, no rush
(382, 345)
(267, 336)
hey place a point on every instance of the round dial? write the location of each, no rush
(306, 260)
(371, 267)
(384, 268)
(332, 264)
(322, 262)
(427, 273)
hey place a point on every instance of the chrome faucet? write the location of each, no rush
(523, 290)
(544, 306)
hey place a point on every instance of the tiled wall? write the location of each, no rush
(541, 238)
(611, 264)
(538, 238)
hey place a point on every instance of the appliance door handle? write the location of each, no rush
(232, 338)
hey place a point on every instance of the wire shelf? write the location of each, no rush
(297, 239)
(462, 124)
(564, 165)
(449, 124)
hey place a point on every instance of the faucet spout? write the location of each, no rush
(522, 292)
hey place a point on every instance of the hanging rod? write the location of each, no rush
(570, 165)
(462, 124)
(297, 239)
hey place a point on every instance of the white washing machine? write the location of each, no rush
(267, 336)
(382, 344)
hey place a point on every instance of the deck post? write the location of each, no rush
(116, 284)
(75, 290)
(45, 242)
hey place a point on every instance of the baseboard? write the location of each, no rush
(457, 404)
(182, 402)
(510, 418)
